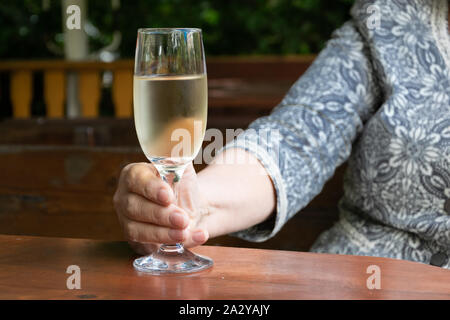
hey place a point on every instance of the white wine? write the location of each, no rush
(170, 116)
(170, 111)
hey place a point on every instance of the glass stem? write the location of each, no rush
(172, 175)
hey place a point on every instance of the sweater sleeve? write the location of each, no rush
(310, 133)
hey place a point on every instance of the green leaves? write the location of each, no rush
(230, 27)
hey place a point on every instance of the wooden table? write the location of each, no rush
(35, 268)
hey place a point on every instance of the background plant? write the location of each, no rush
(231, 27)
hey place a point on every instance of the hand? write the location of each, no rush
(146, 208)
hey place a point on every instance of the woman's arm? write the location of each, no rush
(297, 147)
(239, 194)
(310, 133)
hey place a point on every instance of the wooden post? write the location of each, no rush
(54, 92)
(90, 92)
(21, 93)
(122, 93)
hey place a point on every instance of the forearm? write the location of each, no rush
(238, 190)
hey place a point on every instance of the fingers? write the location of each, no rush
(141, 232)
(143, 237)
(144, 204)
(138, 208)
(143, 179)
(196, 238)
(145, 233)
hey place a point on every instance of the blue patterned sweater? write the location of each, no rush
(379, 97)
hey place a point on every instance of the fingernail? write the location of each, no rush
(198, 236)
(177, 235)
(178, 219)
(163, 196)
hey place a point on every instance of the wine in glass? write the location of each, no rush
(170, 111)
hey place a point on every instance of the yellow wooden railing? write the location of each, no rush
(261, 73)
(54, 77)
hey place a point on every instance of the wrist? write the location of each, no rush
(213, 212)
(237, 195)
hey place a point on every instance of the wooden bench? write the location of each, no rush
(58, 178)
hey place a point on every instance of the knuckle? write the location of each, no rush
(134, 172)
(136, 210)
(134, 232)
(131, 232)
(130, 177)
(129, 205)
(156, 216)
(126, 169)
(149, 191)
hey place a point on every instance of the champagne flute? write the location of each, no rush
(170, 111)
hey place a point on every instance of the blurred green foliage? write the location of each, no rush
(230, 27)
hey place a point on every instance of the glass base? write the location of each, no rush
(172, 259)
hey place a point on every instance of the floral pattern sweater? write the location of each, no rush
(379, 97)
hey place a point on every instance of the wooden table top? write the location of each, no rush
(35, 268)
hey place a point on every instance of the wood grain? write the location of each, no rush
(61, 190)
(106, 132)
(35, 268)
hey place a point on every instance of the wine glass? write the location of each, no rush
(170, 111)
